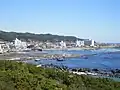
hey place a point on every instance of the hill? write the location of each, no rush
(21, 76)
(9, 36)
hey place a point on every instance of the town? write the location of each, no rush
(20, 49)
(19, 45)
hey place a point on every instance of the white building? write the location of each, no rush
(3, 47)
(92, 43)
(63, 44)
(19, 45)
(79, 43)
(82, 43)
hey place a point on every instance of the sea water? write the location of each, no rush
(104, 59)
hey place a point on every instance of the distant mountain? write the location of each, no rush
(10, 36)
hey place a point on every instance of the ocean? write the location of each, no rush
(104, 59)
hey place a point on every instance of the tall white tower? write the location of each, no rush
(92, 43)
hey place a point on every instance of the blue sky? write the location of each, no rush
(94, 19)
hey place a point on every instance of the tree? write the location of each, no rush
(21, 76)
(10, 36)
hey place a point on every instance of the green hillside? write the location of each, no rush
(9, 36)
(21, 76)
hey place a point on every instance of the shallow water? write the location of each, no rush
(102, 60)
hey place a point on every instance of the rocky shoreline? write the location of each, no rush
(35, 56)
(81, 48)
(41, 55)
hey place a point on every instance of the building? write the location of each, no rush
(19, 45)
(92, 43)
(3, 47)
(79, 43)
(89, 42)
(63, 44)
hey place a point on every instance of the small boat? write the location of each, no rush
(39, 49)
(37, 60)
(59, 59)
(84, 57)
(39, 65)
(107, 57)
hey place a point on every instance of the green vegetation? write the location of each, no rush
(21, 76)
(9, 36)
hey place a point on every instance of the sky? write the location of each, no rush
(90, 19)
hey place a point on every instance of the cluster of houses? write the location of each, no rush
(78, 43)
(18, 45)
(87, 42)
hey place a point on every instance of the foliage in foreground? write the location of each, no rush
(21, 76)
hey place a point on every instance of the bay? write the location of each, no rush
(104, 59)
